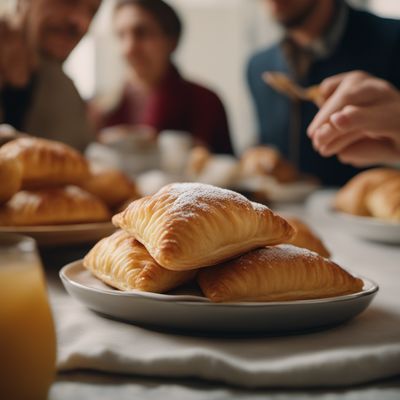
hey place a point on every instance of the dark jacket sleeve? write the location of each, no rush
(395, 62)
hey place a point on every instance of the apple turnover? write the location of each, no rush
(351, 198)
(10, 177)
(304, 237)
(46, 162)
(192, 225)
(279, 273)
(122, 262)
(53, 206)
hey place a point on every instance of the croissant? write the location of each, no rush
(122, 262)
(304, 237)
(46, 162)
(52, 206)
(384, 201)
(10, 177)
(192, 225)
(111, 186)
(351, 198)
(279, 273)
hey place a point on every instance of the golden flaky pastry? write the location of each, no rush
(122, 262)
(304, 237)
(351, 198)
(10, 177)
(266, 161)
(110, 185)
(54, 206)
(279, 273)
(46, 162)
(384, 201)
(193, 225)
(197, 160)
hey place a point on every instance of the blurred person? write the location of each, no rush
(155, 93)
(359, 121)
(321, 39)
(36, 96)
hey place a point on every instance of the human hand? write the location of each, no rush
(18, 58)
(359, 121)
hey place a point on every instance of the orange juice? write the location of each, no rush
(27, 338)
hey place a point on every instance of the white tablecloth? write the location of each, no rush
(362, 350)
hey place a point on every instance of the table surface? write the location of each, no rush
(91, 385)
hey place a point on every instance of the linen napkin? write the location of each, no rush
(367, 348)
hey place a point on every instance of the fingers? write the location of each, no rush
(380, 121)
(340, 143)
(343, 128)
(329, 85)
(368, 152)
(355, 88)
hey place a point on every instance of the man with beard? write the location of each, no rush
(321, 38)
(36, 96)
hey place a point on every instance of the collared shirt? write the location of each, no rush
(300, 58)
(326, 44)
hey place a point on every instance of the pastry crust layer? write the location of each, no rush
(67, 205)
(193, 225)
(279, 273)
(122, 262)
(46, 162)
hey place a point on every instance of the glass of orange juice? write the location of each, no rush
(27, 336)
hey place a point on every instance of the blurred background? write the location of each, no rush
(238, 26)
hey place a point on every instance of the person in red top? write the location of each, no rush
(156, 94)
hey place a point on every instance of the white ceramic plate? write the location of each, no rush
(320, 204)
(278, 192)
(53, 235)
(189, 311)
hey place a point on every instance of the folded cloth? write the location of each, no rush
(367, 348)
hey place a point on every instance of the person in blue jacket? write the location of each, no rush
(321, 39)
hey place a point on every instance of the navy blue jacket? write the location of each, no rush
(369, 43)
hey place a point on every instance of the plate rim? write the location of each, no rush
(327, 197)
(365, 219)
(87, 226)
(372, 290)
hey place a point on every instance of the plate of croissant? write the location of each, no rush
(197, 258)
(50, 191)
(368, 206)
(261, 172)
(264, 171)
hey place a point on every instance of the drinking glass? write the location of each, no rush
(27, 336)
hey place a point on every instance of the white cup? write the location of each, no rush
(174, 149)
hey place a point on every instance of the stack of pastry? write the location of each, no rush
(231, 245)
(43, 182)
(374, 193)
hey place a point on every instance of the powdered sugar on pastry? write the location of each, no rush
(279, 273)
(202, 196)
(193, 225)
